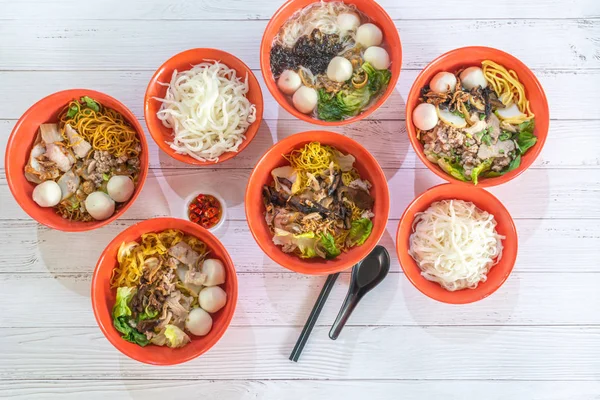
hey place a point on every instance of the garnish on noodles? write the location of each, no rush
(86, 166)
(318, 205)
(166, 289)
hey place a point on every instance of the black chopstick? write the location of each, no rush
(312, 318)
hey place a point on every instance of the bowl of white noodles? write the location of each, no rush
(456, 244)
(203, 106)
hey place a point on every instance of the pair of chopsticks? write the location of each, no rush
(312, 318)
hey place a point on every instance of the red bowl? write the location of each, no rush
(369, 8)
(470, 56)
(485, 201)
(21, 141)
(103, 297)
(182, 62)
(368, 168)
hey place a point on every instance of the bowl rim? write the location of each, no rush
(150, 120)
(305, 136)
(417, 146)
(117, 341)
(129, 116)
(265, 69)
(449, 297)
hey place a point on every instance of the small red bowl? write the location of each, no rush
(485, 201)
(367, 167)
(103, 297)
(21, 141)
(473, 56)
(377, 15)
(182, 62)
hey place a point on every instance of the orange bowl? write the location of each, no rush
(377, 15)
(367, 167)
(182, 62)
(470, 56)
(103, 297)
(21, 141)
(485, 201)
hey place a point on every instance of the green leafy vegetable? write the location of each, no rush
(175, 336)
(378, 78)
(478, 170)
(486, 139)
(458, 113)
(124, 295)
(505, 135)
(328, 243)
(514, 164)
(481, 117)
(359, 232)
(90, 103)
(452, 168)
(525, 138)
(148, 314)
(305, 242)
(73, 110)
(105, 177)
(122, 317)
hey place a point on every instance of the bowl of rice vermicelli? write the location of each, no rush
(330, 62)
(477, 116)
(164, 291)
(456, 244)
(317, 202)
(76, 160)
(203, 106)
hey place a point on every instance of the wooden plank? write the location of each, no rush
(561, 87)
(93, 44)
(560, 193)
(366, 353)
(299, 389)
(33, 248)
(287, 299)
(563, 149)
(257, 9)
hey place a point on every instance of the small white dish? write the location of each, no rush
(217, 196)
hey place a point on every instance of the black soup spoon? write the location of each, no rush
(365, 276)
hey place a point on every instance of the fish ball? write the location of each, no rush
(289, 81)
(425, 116)
(305, 99)
(348, 21)
(198, 322)
(377, 57)
(443, 82)
(339, 69)
(99, 205)
(47, 194)
(120, 188)
(214, 271)
(473, 77)
(368, 35)
(212, 299)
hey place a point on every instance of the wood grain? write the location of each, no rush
(109, 44)
(37, 249)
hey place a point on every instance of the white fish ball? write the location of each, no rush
(214, 271)
(99, 205)
(120, 188)
(473, 77)
(305, 99)
(198, 322)
(212, 299)
(425, 116)
(443, 82)
(47, 194)
(289, 81)
(369, 35)
(348, 21)
(378, 57)
(339, 69)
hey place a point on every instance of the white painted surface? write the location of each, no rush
(538, 337)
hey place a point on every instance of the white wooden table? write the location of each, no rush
(538, 337)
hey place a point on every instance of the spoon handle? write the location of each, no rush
(349, 305)
(312, 318)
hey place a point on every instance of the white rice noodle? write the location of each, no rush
(455, 244)
(321, 16)
(208, 111)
